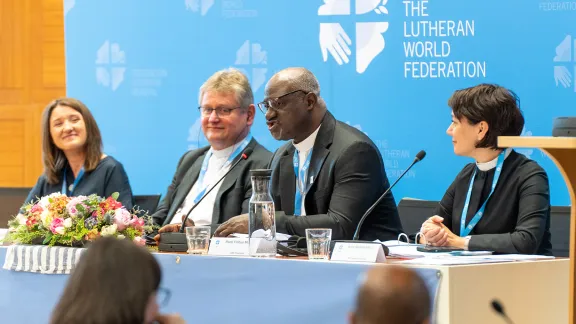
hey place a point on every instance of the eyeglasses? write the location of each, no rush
(274, 103)
(163, 296)
(220, 112)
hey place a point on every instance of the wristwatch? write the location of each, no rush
(467, 238)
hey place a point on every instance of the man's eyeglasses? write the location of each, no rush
(163, 296)
(220, 112)
(274, 103)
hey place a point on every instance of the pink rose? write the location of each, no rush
(122, 218)
(57, 226)
(138, 223)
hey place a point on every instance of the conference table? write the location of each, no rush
(220, 289)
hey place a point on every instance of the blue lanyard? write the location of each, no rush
(204, 168)
(465, 230)
(68, 191)
(301, 186)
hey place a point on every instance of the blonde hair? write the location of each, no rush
(229, 81)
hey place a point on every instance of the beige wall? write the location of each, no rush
(32, 72)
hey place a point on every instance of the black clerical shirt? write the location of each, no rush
(517, 215)
(108, 177)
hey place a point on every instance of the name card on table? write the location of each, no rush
(358, 252)
(228, 246)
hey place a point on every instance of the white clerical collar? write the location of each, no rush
(307, 144)
(485, 166)
(224, 153)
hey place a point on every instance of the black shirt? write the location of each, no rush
(517, 215)
(108, 177)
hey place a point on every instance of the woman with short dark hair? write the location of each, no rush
(74, 163)
(114, 282)
(501, 202)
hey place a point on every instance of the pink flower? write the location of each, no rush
(75, 201)
(36, 209)
(57, 226)
(122, 218)
(138, 223)
(140, 241)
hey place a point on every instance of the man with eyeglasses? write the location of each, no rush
(227, 111)
(328, 174)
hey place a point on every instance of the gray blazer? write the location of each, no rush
(234, 193)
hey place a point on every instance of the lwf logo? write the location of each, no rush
(110, 65)
(565, 62)
(369, 35)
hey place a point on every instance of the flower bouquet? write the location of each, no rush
(57, 219)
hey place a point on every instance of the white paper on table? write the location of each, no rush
(408, 250)
(279, 236)
(459, 260)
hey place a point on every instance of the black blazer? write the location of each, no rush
(234, 193)
(517, 215)
(349, 177)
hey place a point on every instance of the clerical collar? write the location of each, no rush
(224, 153)
(307, 144)
(485, 166)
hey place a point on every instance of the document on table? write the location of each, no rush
(279, 236)
(406, 250)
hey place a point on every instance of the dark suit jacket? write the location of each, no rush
(349, 177)
(234, 193)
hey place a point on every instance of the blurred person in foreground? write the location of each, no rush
(114, 282)
(392, 295)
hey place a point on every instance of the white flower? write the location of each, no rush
(60, 230)
(21, 219)
(45, 217)
(121, 236)
(68, 222)
(109, 230)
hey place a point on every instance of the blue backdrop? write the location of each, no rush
(386, 67)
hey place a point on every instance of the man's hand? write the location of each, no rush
(237, 224)
(172, 228)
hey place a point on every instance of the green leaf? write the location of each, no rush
(47, 238)
(80, 208)
(115, 195)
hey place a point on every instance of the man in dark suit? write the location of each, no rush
(341, 173)
(227, 111)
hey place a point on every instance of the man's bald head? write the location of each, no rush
(393, 295)
(297, 110)
(295, 78)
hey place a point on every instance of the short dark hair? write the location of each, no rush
(112, 283)
(497, 106)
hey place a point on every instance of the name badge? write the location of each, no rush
(228, 246)
(358, 252)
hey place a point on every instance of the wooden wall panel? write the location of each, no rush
(32, 72)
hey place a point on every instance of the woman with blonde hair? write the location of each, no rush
(74, 163)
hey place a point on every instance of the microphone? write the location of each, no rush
(499, 308)
(176, 241)
(419, 157)
(355, 239)
(244, 156)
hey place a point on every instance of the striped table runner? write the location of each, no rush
(42, 259)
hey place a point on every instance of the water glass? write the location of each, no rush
(318, 241)
(198, 238)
